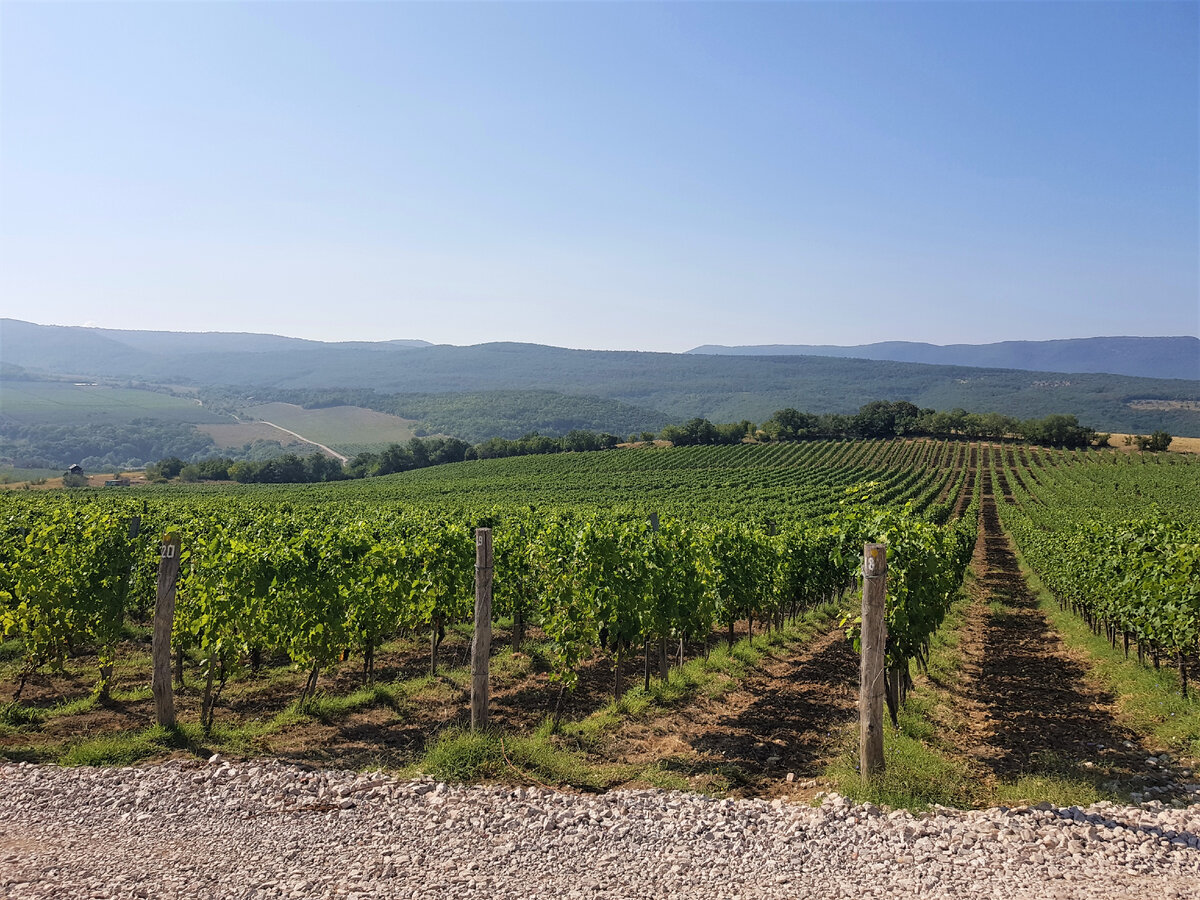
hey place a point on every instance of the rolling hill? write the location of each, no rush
(659, 385)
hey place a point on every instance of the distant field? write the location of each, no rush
(1193, 405)
(62, 403)
(239, 434)
(347, 429)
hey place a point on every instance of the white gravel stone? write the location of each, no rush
(265, 831)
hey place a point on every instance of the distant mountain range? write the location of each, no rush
(230, 342)
(724, 387)
(58, 348)
(1147, 357)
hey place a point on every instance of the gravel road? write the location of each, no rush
(269, 830)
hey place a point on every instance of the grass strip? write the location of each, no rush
(566, 759)
(921, 767)
(925, 766)
(1148, 699)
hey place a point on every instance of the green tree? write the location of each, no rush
(1159, 440)
(789, 425)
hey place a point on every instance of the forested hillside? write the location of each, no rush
(674, 386)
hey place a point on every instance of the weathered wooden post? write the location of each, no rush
(871, 681)
(481, 644)
(164, 618)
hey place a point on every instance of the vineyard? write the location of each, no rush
(782, 482)
(1117, 541)
(603, 561)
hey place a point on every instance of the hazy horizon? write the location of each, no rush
(417, 338)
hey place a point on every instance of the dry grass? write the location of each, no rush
(135, 478)
(1178, 444)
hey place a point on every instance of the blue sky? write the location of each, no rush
(610, 175)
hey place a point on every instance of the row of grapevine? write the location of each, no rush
(1118, 542)
(313, 581)
(926, 561)
(66, 577)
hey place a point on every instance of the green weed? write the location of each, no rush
(1149, 699)
(328, 708)
(13, 648)
(124, 748)
(16, 714)
(464, 756)
(73, 707)
(915, 776)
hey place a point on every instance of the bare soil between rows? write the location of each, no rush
(1031, 706)
(785, 717)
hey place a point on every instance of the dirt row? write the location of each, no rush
(1029, 703)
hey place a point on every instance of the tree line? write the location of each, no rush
(884, 419)
(417, 453)
(879, 419)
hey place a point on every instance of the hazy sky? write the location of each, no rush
(624, 175)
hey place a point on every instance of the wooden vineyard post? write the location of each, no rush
(874, 638)
(481, 644)
(164, 618)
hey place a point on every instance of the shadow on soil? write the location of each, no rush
(795, 716)
(1041, 717)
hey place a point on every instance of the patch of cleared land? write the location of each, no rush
(49, 482)
(1178, 444)
(1165, 404)
(347, 429)
(63, 403)
(234, 436)
(13, 475)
